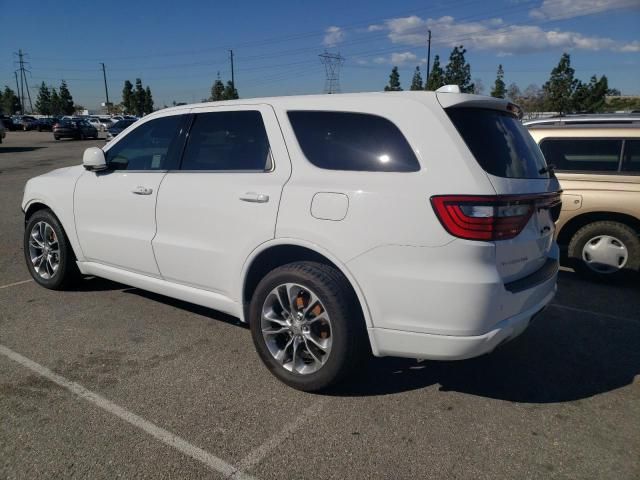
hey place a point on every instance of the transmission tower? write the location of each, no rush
(24, 85)
(332, 63)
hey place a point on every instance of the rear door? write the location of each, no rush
(223, 201)
(517, 170)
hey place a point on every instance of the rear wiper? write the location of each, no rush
(550, 168)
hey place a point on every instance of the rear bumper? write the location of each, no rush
(447, 302)
(400, 343)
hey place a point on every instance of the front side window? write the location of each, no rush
(352, 141)
(631, 156)
(583, 154)
(227, 141)
(151, 146)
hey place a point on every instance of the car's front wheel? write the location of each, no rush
(605, 250)
(307, 326)
(49, 256)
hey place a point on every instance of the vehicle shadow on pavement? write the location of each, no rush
(4, 149)
(95, 284)
(189, 307)
(566, 355)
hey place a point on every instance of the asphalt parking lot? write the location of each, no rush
(109, 381)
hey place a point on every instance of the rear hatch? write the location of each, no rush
(521, 216)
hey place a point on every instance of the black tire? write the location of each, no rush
(348, 332)
(623, 233)
(55, 137)
(67, 272)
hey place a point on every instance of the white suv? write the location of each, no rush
(416, 224)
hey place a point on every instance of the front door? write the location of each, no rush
(115, 209)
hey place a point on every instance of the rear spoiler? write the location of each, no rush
(467, 100)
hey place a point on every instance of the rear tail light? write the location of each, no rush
(490, 217)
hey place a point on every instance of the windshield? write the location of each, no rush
(499, 142)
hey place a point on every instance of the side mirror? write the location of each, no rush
(94, 160)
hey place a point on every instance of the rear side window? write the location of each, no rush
(352, 141)
(583, 154)
(499, 142)
(227, 141)
(631, 156)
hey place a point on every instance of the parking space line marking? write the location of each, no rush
(257, 455)
(581, 310)
(159, 433)
(15, 283)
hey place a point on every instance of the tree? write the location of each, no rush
(458, 71)
(230, 93)
(66, 100)
(56, 105)
(513, 92)
(590, 97)
(217, 90)
(9, 102)
(560, 87)
(436, 76)
(128, 101)
(139, 97)
(148, 100)
(499, 88)
(416, 81)
(43, 102)
(394, 81)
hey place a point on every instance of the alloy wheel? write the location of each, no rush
(44, 250)
(296, 328)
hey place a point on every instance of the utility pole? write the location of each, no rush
(106, 90)
(233, 79)
(332, 63)
(428, 55)
(23, 82)
(18, 91)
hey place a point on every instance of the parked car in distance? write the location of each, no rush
(3, 131)
(95, 122)
(43, 124)
(597, 161)
(117, 128)
(77, 129)
(411, 224)
(105, 123)
(8, 122)
(26, 122)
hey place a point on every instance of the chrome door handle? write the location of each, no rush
(254, 197)
(140, 190)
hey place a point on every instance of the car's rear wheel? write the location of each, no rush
(49, 256)
(306, 325)
(605, 250)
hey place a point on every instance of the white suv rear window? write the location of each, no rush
(499, 142)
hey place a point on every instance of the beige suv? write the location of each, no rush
(597, 160)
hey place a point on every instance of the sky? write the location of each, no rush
(178, 48)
